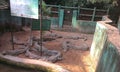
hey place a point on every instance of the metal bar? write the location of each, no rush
(98, 16)
(86, 8)
(108, 10)
(54, 12)
(69, 7)
(12, 34)
(12, 39)
(40, 27)
(101, 10)
(59, 8)
(93, 16)
(78, 11)
(31, 33)
(85, 15)
(75, 7)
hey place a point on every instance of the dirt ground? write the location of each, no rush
(73, 60)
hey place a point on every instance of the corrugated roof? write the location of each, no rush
(4, 4)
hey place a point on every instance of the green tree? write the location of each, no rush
(106, 1)
(46, 10)
(114, 8)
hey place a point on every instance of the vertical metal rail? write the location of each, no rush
(78, 12)
(40, 27)
(93, 16)
(108, 10)
(12, 37)
(31, 32)
(12, 33)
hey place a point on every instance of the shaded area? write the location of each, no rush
(11, 68)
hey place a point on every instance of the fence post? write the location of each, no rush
(59, 8)
(78, 11)
(74, 18)
(93, 16)
(108, 10)
(61, 17)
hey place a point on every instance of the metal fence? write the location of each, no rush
(83, 13)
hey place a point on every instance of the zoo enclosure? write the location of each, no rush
(80, 13)
(60, 15)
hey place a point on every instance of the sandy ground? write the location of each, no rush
(73, 60)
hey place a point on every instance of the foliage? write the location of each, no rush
(46, 10)
(105, 1)
(82, 3)
(115, 11)
(74, 3)
(53, 2)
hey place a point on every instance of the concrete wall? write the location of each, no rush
(54, 22)
(6, 21)
(109, 60)
(5, 17)
(105, 48)
(99, 39)
(85, 26)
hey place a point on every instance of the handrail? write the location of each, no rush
(75, 7)
(93, 15)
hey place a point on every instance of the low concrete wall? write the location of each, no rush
(31, 63)
(105, 49)
(86, 26)
(99, 39)
(54, 22)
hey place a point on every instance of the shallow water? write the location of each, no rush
(10, 68)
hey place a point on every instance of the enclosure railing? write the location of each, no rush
(95, 13)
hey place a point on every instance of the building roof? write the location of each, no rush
(4, 4)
